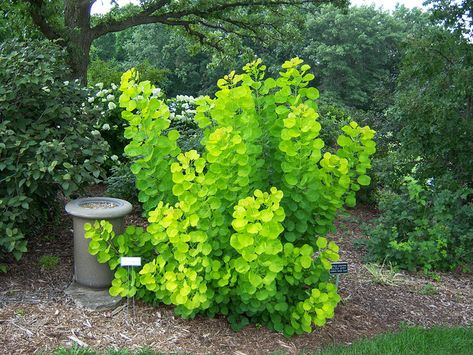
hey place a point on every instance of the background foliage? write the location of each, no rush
(433, 111)
(427, 223)
(423, 227)
(47, 143)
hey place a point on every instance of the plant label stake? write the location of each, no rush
(339, 267)
(128, 261)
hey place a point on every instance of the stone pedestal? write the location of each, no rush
(92, 279)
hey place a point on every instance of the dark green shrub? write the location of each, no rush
(423, 227)
(47, 142)
(121, 183)
(332, 117)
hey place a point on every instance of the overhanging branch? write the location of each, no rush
(142, 18)
(37, 15)
(220, 8)
(152, 14)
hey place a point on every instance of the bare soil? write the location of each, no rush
(36, 315)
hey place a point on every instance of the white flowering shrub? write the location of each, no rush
(104, 102)
(182, 112)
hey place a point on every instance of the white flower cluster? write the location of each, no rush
(156, 93)
(186, 98)
(182, 108)
(184, 117)
(103, 101)
(104, 95)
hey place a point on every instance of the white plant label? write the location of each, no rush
(130, 261)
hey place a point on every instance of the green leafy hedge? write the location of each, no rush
(424, 227)
(46, 144)
(238, 230)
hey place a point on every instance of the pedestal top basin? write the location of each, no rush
(98, 207)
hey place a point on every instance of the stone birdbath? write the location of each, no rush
(91, 281)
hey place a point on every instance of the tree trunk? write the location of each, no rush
(79, 36)
(78, 56)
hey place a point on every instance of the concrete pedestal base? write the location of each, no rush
(92, 299)
(87, 270)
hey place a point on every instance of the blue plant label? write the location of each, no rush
(130, 261)
(339, 267)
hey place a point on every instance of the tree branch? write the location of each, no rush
(36, 11)
(233, 5)
(150, 13)
(142, 18)
(201, 37)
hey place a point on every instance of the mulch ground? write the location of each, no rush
(36, 315)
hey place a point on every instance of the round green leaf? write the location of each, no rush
(305, 261)
(364, 180)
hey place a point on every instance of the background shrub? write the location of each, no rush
(423, 227)
(103, 101)
(47, 142)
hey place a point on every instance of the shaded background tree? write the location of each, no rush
(213, 22)
(433, 111)
(15, 23)
(426, 206)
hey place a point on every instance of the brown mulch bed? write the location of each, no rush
(36, 315)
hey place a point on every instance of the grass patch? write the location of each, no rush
(428, 290)
(383, 274)
(418, 341)
(48, 262)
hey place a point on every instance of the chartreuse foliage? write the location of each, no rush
(235, 231)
